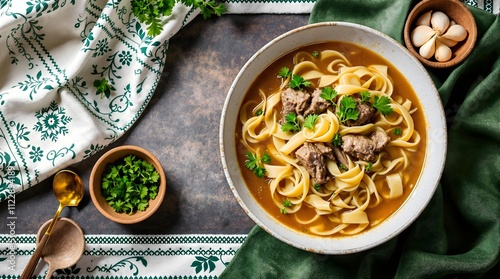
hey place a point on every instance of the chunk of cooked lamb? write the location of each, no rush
(363, 147)
(340, 156)
(318, 104)
(313, 157)
(294, 101)
(366, 112)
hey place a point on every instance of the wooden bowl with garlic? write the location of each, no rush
(440, 33)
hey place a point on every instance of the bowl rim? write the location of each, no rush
(330, 245)
(95, 192)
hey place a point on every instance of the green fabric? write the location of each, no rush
(458, 235)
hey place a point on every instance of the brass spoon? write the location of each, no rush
(68, 189)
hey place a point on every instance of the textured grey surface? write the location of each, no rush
(181, 127)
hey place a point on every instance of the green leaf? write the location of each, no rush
(365, 96)
(292, 124)
(382, 104)
(310, 120)
(347, 109)
(298, 83)
(103, 88)
(285, 72)
(255, 164)
(150, 12)
(287, 203)
(328, 94)
(337, 140)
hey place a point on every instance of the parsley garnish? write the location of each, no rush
(347, 109)
(292, 123)
(286, 203)
(297, 82)
(315, 54)
(103, 88)
(129, 183)
(337, 140)
(397, 132)
(382, 104)
(150, 12)
(259, 112)
(310, 120)
(342, 167)
(369, 167)
(317, 186)
(284, 72)
(365, 96)
(256, 164)
(328, 94)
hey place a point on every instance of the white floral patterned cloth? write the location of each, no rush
(132, 256)
(75, 77)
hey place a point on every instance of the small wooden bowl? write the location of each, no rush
(456, 11)
(95, 181)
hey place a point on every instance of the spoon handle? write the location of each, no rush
(30, 267)
(50, 272)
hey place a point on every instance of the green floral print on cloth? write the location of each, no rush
(75, 76)
(132, 256)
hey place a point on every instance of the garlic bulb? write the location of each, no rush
(435, 34)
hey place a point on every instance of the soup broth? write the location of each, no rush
(350, 198)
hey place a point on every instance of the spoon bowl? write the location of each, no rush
(65, 247)
(68, 189)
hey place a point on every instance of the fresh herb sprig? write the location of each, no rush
(348, 109)
(328, 94)
(298, 83)
(256, 164)
(284, 72)
(150, 12)
(382, 104)
(103, 88)
(310, 121)
(129, 183)
(286, 203)
(292, 123)
(365, 96)
(337, 140)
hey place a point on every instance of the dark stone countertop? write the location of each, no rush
(181, 127)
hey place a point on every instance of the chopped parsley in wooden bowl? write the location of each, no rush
(127, 184)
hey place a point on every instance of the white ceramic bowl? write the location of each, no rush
(419, 79)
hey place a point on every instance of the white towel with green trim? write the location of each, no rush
(130, 256)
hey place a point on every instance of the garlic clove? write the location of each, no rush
(424, 19)
(443, 52)
(456, 33)
(421, 34)
(428, 49)
(448, 42)
(440, 22)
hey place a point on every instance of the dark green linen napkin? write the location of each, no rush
(458, 235)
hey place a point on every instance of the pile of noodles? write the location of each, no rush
(344, 199)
